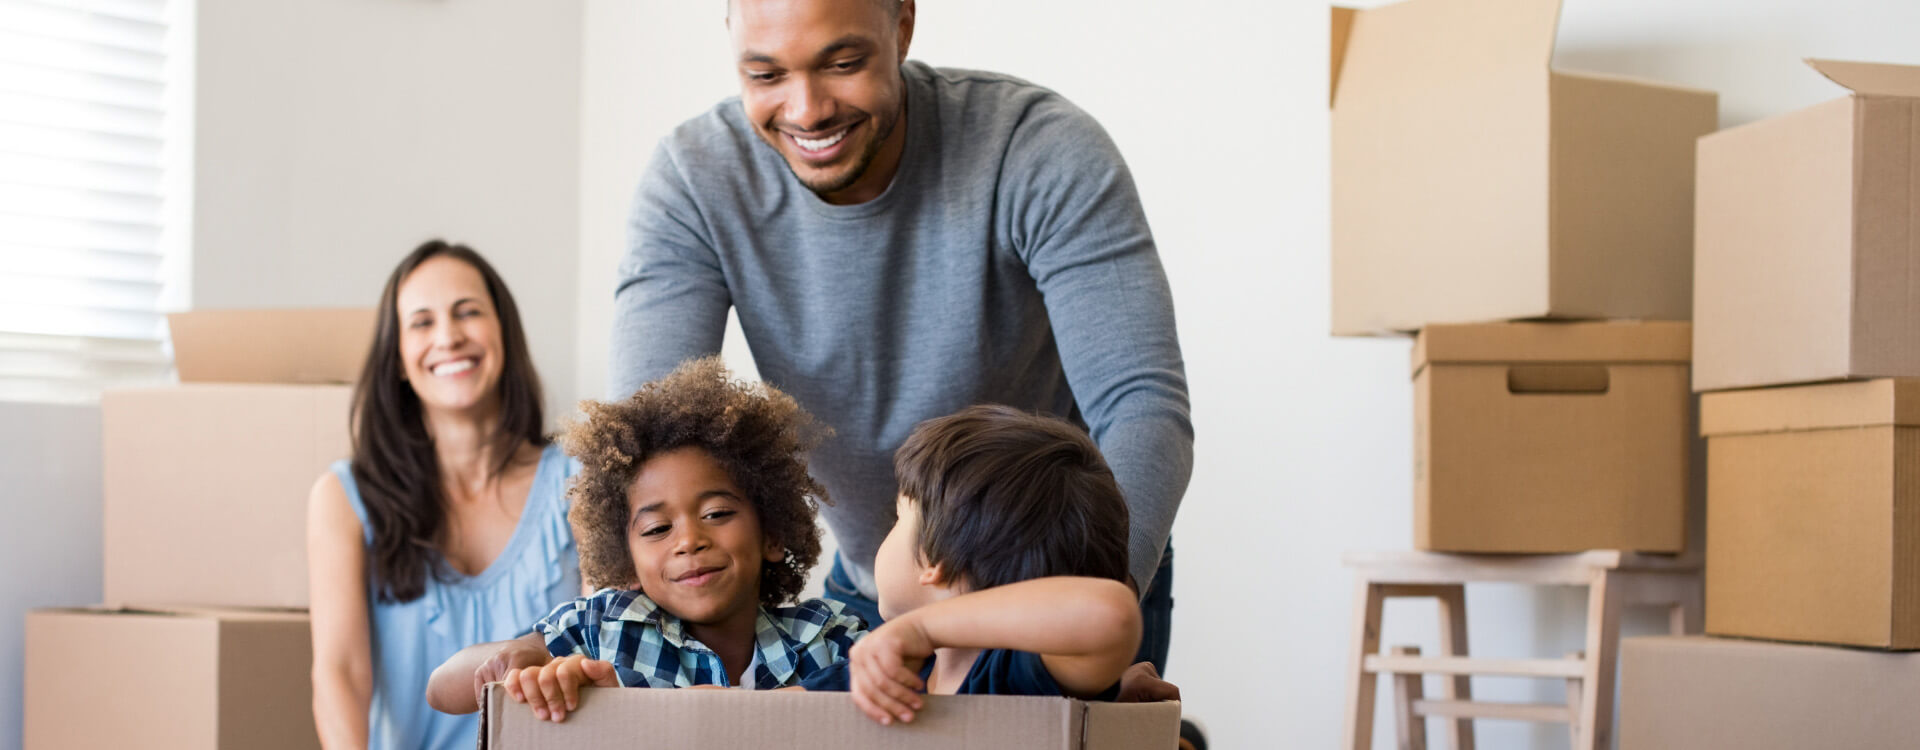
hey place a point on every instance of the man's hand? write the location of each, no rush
(554, 689)
(883, 670)
(1141, 683)
(514, 655)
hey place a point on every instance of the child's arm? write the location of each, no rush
(459, 684)
(1085, 630)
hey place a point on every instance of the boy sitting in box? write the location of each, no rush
(1004, 573)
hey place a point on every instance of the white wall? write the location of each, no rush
(335, 136)
(50, 542)
(1304, 443)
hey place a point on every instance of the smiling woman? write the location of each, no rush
(448, 525)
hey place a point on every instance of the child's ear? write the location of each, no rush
(934, 575)
(771, 550)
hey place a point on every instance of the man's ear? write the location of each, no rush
(905, 30)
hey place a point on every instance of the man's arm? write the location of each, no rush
(671, 300)
(1078, 224)
(1084, 629)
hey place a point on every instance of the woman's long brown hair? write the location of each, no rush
(394, 462)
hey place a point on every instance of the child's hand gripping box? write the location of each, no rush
(795, 720)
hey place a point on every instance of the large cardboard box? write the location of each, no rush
(1805, 250)
(1700, 692)
(792, 720)
(206, 482)
(1551, 437)
(175, 680)
(1472, 182)
(1813, 513)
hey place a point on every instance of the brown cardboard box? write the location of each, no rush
(1472, 182)
(727, 719)
(179, 680)
(1813, 513)
(206, 483)
(1805, 245)
(1551, 437)
(1699, 692)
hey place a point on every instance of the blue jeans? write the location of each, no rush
(1156, 609)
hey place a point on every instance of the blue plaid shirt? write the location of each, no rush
(650, 647)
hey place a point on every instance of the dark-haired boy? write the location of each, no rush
(1005, 572)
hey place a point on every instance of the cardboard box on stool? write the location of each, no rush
(206, 482)
(1702, 692)
(1805, 253)
(793, 720)
(168, 680)
(1551, 437)
(1813, 513)
(1473, 182)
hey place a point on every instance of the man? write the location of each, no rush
(901, 242)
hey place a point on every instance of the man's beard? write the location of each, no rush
(827, 186)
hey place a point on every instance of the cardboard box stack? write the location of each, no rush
(203, 639)
(1807, 351)
(1474, 186)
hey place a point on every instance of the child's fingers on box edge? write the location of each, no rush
(511, 680)
(873, 711)
(530, 686)
(569, 675)
(550, 688)
(885, 695)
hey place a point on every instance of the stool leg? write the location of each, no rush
(1407, 688)
(1453, 642)
(1574, 700)
(1360, 685)
(1603, 643)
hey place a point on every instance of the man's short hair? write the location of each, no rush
(1006, 496)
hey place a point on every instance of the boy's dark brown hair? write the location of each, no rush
(757, 433)
(1006, 496)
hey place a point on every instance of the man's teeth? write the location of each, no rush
(453, 368)
(820, 144)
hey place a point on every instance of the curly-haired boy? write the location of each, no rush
(694, 514)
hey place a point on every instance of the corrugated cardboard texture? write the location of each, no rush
(1451, 154)
(723, 719)
(1605, 167)
(271, 346)
(206, 491)
(1812, 407)
(1615, 342)
(168, 681)
(1804, 532)
(1696, 692)
(1807, 248)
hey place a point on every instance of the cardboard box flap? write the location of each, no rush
(1342, 28)
(1608, 342)
(306, 346)
(1420, 43)
(1862, 403)
(1871, 79)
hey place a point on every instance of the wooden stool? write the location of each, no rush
(1614, 580)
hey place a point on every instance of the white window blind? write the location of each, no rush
(83, 150)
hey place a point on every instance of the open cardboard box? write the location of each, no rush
(1473, 182)
(794, 720)
(1551, 437)
(1806, 252)
(206, 482)
(1813, 513)
(178, 679)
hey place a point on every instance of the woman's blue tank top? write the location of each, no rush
(537, 571)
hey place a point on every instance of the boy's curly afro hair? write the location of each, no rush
(757, 433)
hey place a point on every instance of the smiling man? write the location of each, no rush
(900, 242)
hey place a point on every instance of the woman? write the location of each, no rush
(448, 527)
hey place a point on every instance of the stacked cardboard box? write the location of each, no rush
(203, 640)
(1473, 186)
(1807, 349)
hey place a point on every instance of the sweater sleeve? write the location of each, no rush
(1077, 222)
(671, 300)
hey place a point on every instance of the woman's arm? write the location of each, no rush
(342, 643)
(455, 685)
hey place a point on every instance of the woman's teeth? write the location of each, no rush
(821, 144)
(453, 368)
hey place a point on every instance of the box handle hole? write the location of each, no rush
(1522, 379)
